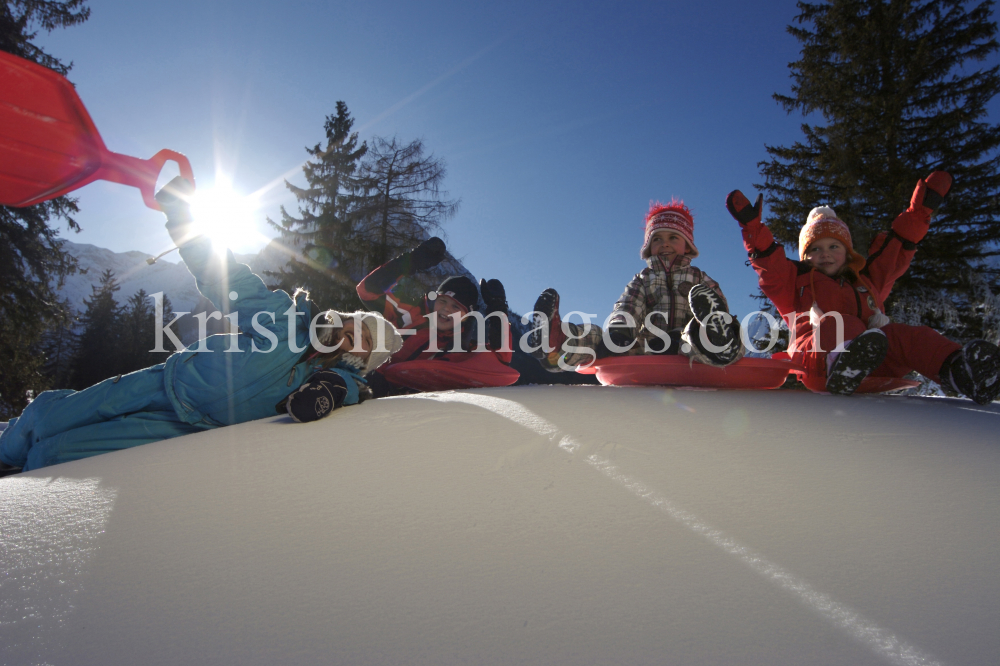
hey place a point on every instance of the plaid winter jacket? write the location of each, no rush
(662, 288)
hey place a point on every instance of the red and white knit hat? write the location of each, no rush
(674, 216)
(824, 223)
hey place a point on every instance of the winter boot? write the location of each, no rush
(546, 320)
(709, 311)
(973, 371)
(862, 356)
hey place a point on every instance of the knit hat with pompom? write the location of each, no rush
(674, 216)
(824, 223)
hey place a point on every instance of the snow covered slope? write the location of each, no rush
(539, 525)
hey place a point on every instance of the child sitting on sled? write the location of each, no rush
(430, 323)
(288, 358)
(670, 307)
(831, 279)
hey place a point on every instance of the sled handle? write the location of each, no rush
(142, 174)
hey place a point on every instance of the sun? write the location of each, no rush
(223, 214)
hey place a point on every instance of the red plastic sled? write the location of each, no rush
(477, 370)
(747, 373)
(49, 145)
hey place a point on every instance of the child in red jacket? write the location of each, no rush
(833, 281)
(438, 327)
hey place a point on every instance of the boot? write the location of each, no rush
(546, 319)
(709, 310)
(973, 371)
(863, 355)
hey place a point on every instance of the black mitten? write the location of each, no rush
(322, 393)
(428, 254)
(495, 297)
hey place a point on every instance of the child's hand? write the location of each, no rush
(741, 210)
(175, 197)
(322, 393)
(428, 254)
(494, 295)
(931, 190)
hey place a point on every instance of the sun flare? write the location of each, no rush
(223, 214)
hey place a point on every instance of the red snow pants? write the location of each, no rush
(919, 348)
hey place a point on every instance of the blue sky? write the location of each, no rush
(559, 121)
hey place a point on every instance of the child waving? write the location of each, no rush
(833, 287)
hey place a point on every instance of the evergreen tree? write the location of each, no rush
(31, 256)
(58, 346)
(328, 256)
(404, 203)
(98, 353)
(137, 330)
(896, 84)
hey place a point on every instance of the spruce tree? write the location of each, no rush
(327, 253)
(98, 352)
(58, 346)
(31, 255)
(137, 330)
(900, 94)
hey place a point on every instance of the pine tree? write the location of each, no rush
(896, 84)
(327, 254)
(404, 203)
(98, 353)
(58, 346)
(137, 330)
(31, 255)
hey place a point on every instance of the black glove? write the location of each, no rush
(495, 298)
(494, 295)
(174, 198)
(428, 254)
(322, 393)
(739, 207)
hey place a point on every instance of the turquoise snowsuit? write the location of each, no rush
(221, 380)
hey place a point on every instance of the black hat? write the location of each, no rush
(461, 288)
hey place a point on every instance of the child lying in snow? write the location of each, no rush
(276, 364)
(670, 307)
(832, 278)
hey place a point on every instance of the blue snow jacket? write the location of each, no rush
(232, 378)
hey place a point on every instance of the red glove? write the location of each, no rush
(931, 190)
(741, 210)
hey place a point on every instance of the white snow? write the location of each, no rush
(542, 525)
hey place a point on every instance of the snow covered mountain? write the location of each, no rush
(171, 277)
(134, 273)
(528, 525)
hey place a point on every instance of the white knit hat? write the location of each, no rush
(385, 338)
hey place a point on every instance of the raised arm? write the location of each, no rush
(776, 273)
(891, 252)
(375, 290)
(228, 284)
